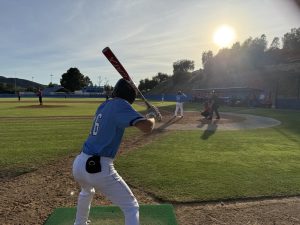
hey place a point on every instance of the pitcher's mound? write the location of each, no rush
(41, 106)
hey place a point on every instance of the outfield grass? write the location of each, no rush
(179, 166)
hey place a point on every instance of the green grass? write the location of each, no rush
(112, 215)
(31, 136)
(29, 107)
(232, 164)
(179, 166)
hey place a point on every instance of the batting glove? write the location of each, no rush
(153, 112)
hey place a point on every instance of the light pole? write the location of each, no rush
(15, 84)
(32, 78)
(51, 78)
(298, 94)
(99, 81)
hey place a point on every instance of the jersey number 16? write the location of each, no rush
(95, 128)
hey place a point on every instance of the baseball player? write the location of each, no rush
(40, 95)
(179, 103)
(94, 168)
(207, 109)
(214, 106)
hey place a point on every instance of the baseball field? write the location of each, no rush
(196, 170)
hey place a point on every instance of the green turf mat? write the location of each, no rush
(112, 215)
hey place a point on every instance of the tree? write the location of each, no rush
(257, 51)
(206, 58)
(147, 84)
(181, 69)
(73, 80)
(291, 40)
(275, 44)
(87, 81)
(160, 77)
(50, 85)
(252, 52)
(260, 44)
(184, 66)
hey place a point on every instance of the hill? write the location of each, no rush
(283, 77)
(19, 83)
(193, 80)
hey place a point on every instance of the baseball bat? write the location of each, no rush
(119, 67)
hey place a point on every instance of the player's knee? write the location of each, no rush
(87, 192)
(132, 208)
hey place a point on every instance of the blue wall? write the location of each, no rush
(288, 103)
(167, 97)
(280, 104)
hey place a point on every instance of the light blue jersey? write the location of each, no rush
(111, 119)
(180, 98)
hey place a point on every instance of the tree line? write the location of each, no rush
(252, 54)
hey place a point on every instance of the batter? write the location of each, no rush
(94, 168)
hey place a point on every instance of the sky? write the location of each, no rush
(41, 39)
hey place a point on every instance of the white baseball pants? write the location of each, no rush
(179, 106)
(109, 183)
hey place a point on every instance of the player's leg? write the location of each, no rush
(205, 114)
(121, 195)
(211, 111)
(117, 191)
(177, 108)
(181, 109)
(87, 191)
(217, 113)
(83, 205)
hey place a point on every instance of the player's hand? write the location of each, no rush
(153, 112)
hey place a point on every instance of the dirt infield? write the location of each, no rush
(228, 121)
(40, 106)
(30, 198)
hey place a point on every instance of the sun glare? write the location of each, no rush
(224, 36)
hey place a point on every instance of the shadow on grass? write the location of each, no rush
(212, 127)
(9, 173)
(169, 123)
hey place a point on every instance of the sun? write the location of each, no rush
(224, 36)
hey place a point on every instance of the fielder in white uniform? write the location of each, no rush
(179, 103)
(94, 169)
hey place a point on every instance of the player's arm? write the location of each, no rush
(146, 125)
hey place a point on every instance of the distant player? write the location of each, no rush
(207, 109)
(40, 95)
(94, 168)
(214, 106)
(180, 97)
(19, 96)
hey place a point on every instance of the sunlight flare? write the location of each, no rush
(224, 36)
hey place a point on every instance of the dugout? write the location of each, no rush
(234, 96)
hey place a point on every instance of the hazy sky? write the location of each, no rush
(43, 37)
